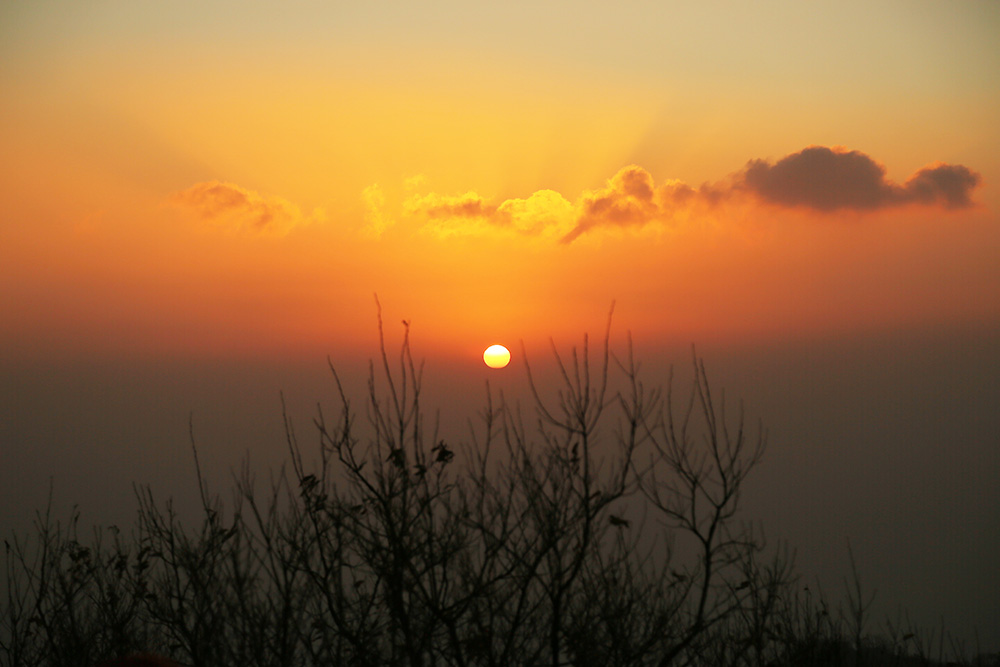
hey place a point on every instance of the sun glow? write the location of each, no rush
(496, 356)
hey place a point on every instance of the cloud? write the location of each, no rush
(229, 205)
(945, 184)
(628, 200)
(376, 219)
(544, 213)
(820, 178)
(454, 215)
(817, 178)
(469, 206)
(831, 179)
(631, 199)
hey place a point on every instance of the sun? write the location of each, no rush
(496, 356)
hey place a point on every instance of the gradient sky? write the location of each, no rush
(200, 199)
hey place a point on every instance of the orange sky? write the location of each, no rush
(205, 181)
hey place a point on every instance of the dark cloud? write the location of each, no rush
(820, 178)
(826, 179)
(945, 184)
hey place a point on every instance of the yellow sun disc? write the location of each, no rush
(496, 356)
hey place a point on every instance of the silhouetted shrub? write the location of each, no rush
(602, 530)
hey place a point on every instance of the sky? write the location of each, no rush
(200, 201)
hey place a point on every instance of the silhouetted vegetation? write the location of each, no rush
(603, 528)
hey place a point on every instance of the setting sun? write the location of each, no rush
(496, 356)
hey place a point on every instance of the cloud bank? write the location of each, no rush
(817, 178)
(828, 179)
(229, 205)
